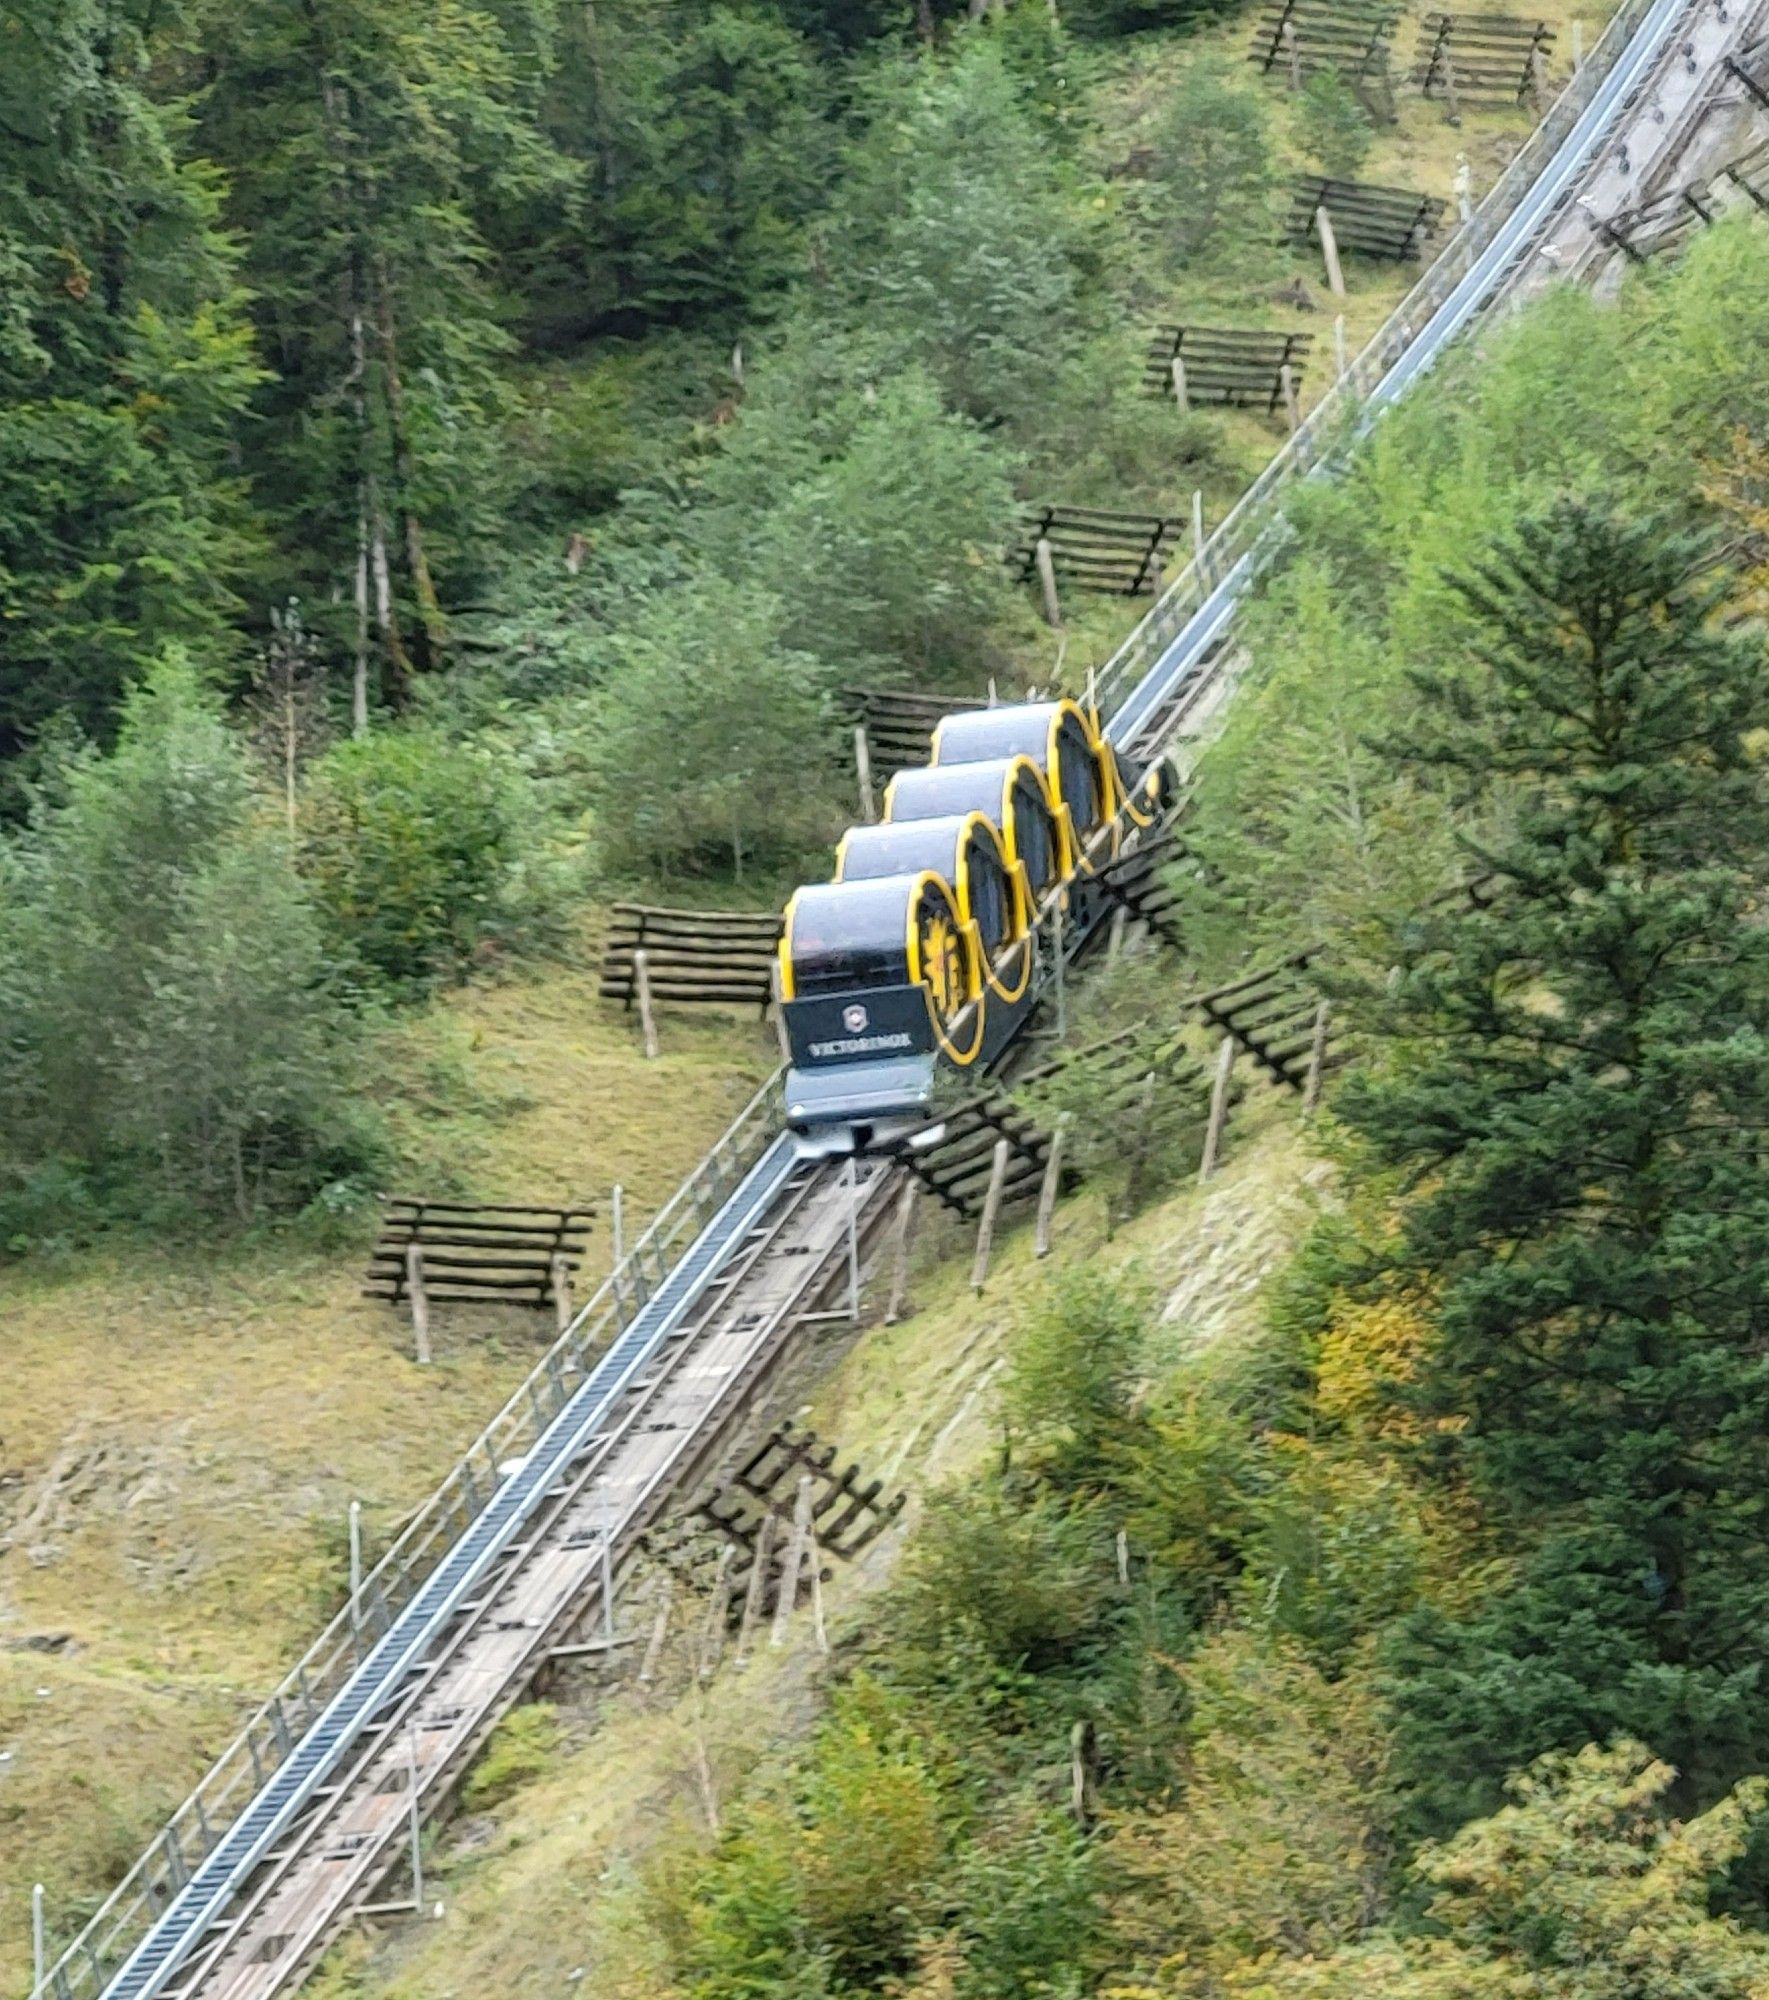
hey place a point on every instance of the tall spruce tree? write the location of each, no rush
(125, 363)
(364, 143)
(1577, 1109)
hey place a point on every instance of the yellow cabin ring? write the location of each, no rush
(959, 940)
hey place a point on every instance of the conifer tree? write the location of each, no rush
(365, 142)
(125, 362)
(1576, 1108)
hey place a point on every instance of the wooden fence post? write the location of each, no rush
(1053, 1180)
(1046, 560)
(786, 1599)
(718, 1609)
(1317, 1056)
(1198, 526)
(1292, 54)
(1225, 1063)
(1292, 409)
(863, 771)
(1464, 189)
(420, 1301)
(1323, 223)
(562, 1289)
(1578, 45)
(660, 1626)
(1180, 393)
(815, 1555)
(1141, 1143)
(979, 1270)
(906, 1206)
(758, 1584)
(642, 987)
(1115, 936)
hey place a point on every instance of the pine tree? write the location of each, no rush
(1576, 1110)
(125, 364)
(700, 149)
(365, 142)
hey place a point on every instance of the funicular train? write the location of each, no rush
(920, 952)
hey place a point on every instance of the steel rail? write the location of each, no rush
(169, 1903)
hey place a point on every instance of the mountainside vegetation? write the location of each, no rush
(456, 459)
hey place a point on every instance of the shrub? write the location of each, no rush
(1335, 130)
(423, 856)
(172, 1040)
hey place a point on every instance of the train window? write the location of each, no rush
(1079, 770)
(987, 889)
(1034, 842)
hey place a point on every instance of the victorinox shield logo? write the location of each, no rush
(855, 1020)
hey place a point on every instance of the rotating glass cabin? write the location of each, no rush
(920, 952)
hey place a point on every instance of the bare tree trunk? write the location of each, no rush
(431, 635)
(290, 734)
(359, 678)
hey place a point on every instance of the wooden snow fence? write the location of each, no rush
(1296, 39)
(1140, 887)
(1493, 61)
(1385, 222)
(1277, 1016)
(433, 1252)
(848, 1511)
(900, 726)
(957, 1166)
(1226, 366)
(1098, 548)
(722, 958)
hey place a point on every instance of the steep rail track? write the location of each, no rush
(306, 1812)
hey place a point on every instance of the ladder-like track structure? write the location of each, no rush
(525, 1542)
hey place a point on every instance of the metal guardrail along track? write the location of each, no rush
(297, 1817)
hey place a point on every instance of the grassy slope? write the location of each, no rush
(182, 1431)
(544, 1883)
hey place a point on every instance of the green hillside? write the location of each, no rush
(456, 459)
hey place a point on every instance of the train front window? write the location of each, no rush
(849, 935)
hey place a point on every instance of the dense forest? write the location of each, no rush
(437, 441)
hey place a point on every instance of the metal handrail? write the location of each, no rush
(1333, 420)
(238, 1774)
